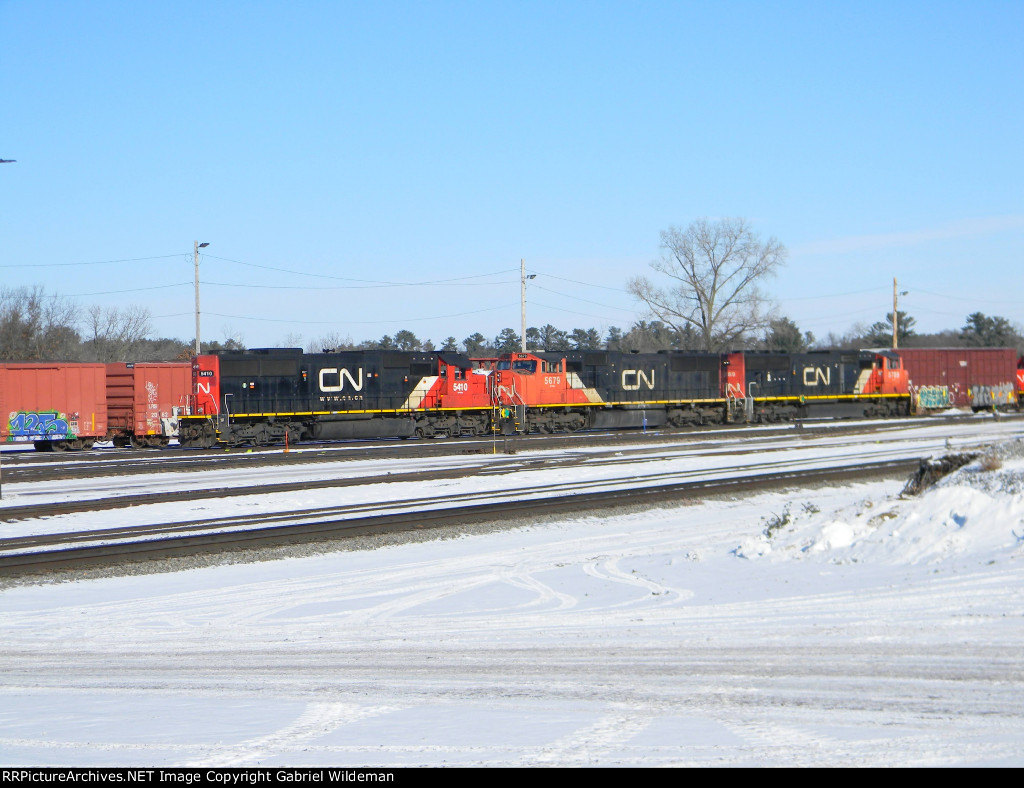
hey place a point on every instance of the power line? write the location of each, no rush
(570, 311)
(356, 322)
(133, 290)
(585, 300)
(94, 262)
(576, 282)
(452, 283)
(364, 281)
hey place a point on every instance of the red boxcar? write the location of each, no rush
(978, 378)
(145, 400)
(53, 405)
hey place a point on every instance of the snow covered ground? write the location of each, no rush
(842, 626)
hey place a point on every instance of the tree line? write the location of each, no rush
(37, 326)
(651, 336)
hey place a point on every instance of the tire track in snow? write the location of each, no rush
(607, 568)
(317, 720)
(522, 577)
(590, 745)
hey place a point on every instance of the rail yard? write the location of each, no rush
(81, 511)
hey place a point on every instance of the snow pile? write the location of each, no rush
(976, 512)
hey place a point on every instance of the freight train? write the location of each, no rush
(283, 395)
(261, 397)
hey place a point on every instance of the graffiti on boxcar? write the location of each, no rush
(27, 425)
(933, 397)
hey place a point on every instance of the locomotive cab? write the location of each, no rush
(881, 373)
(527, 378)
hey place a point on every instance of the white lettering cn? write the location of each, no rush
(634, 377)
(815, 375)
(342, 375)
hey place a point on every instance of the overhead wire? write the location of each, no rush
(380, 283)
(247, 285)
(461, 281)
(359, 322)
(95, 262)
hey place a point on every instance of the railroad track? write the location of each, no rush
(25, 467)
(606, 476)
(118, 545)
(105, 497)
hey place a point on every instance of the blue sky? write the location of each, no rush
(361, 168)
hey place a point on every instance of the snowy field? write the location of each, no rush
(822, 627)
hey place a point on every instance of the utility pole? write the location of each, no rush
(5, 161)
(198, 246)
(896, 313)
(522, 300)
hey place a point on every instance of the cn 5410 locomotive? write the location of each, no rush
(276, 395)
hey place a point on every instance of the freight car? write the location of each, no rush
(53, 406)
(976, 378)
(71, 406)
(144, 402)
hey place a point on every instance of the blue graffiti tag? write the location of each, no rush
(35, 425)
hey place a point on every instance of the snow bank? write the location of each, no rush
(977, 513)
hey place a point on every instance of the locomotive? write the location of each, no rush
(277, 395)
(280, 395)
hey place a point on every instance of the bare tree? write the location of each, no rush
(35, 326)
(330, 342)
(716, 267)
(114, 333)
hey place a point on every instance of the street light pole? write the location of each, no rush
(198, 246)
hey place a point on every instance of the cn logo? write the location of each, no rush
(333, 379)
(631, 379)
(814, 376)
